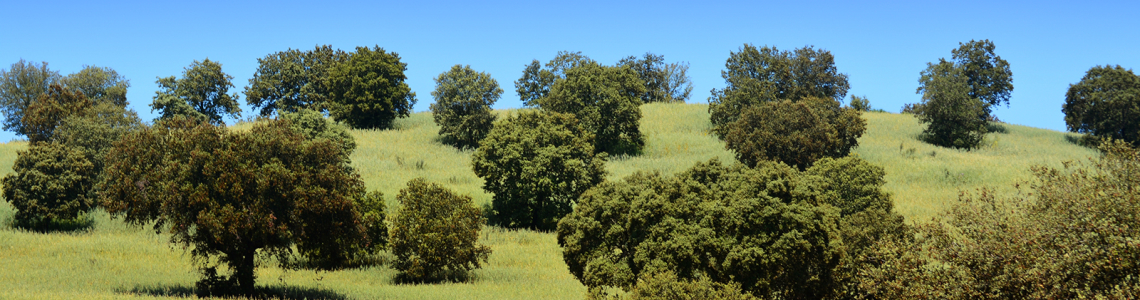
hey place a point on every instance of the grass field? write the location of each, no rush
(116, 261)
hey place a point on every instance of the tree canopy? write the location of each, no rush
(462, 108)
(795, 133)
(229, 196)
(953, 117)
(536, 163)
(1105, 104)
(20, 85)
(291, 80)
(757, 75)
(200, 94)
(100, 84)
(43, 115)
(605, 100)
(368, 89)
(987, 75)
(664, 82)
(536, 80)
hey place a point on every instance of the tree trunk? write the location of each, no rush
(535, 214)
(243, 272)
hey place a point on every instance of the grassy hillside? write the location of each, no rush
(113, 260)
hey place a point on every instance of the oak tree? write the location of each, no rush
(462, 108)
(200, 94)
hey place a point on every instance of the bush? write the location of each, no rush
(49, 181)
(435, 232)
(606, 101)
(777, 232)
(758, 75)
(796, 133)
(462, 107)
(953, 118)
(1103, 104)
(1072, 235)
(312, 125)
(666, 286)
(373, 214)
(368, 89)
(860, 103)
(536, 164)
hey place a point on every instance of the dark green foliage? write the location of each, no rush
(666, 286)
(49, 182)
(536, 81)
(1105, 104)
(435, 233)
(462, 108)
(860, 103)
(231, 196)
(953, 117)
(536, 164)
(373, 214)
(607, 102)
(754, 76)
(313, 126)
(663, 82)
(368, 89)
(291, 80)
(42, 116)
(776, 231)
(95, 130)
(1071, 235)
(796, 133)
(199, 94)
(987, 75)
(99, 85)
(20, 85)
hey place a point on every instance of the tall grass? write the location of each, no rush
(112, 260)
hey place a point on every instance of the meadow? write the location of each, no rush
(112, 260)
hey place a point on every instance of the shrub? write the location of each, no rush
(1072, 235)
(1103, 104)
(796, 133)
(776, 231)
(230, 197)
(952, 117)
(373, 214)
(49, 181)
(860, 103)
(606, 101)
(435, 232)
(757, 75)
(312, 125)
(368, 89)
(462, 107)
(536, 164)
(666, 286)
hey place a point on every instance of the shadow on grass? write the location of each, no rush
(81, 223)
(1083, 140)
(455, 276)
(261, 292)
(995, 127)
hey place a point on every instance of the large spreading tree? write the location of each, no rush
(199, 94)
(766, 74)
(230, 196)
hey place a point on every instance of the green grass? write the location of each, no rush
(114, 261)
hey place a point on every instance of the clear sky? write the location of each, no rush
(882, 46)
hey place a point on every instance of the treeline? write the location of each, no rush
(796, 218)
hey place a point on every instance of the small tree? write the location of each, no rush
(536, 81)
(607, 102)
(20, 85)
(228, 196)
(860, 103)
(368, 89)
(199, 94)
(462, 107)
(49, 181)
(1103, 104)
(42, 116)
(796, 133)
(758, 75)
(664, 82)
(987, 75)
(953, 117)
(435, 232)
(291, 80)
(536, 164)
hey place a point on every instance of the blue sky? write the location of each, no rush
(882, 46)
